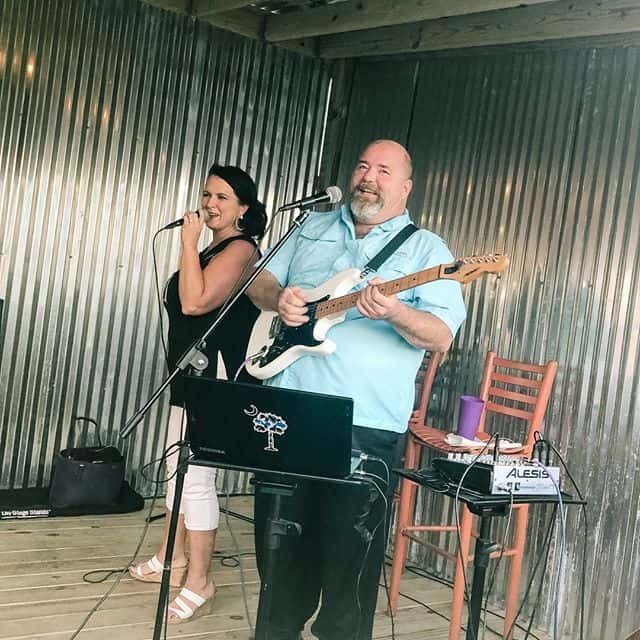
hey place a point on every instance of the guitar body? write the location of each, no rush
(273, 346)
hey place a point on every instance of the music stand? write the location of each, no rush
(278, 484)
(282, 485)
(485, 506)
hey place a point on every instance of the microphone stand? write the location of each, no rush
(198, 361)
(193, 355)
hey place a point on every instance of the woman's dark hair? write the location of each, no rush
(254, 220)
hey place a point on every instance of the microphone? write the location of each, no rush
(180, 221)
(330, 195)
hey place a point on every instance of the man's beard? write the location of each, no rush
(363, 210)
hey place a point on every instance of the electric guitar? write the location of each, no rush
(273, 345)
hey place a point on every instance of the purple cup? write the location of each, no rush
(471, 408)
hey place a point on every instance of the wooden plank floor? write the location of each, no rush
(43, 595)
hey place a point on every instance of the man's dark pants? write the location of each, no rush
(340, 551)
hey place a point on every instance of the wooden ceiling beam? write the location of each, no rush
(557, 20)
(242, 21)
(371, 14)
(205, 8)
(177, 6)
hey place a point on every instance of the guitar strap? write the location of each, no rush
(376, 262)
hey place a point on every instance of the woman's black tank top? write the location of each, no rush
(230, 337)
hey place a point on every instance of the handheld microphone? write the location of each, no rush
(180, 221)
(330, 195)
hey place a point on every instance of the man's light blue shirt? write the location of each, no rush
(372, 362)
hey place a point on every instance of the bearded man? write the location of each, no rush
(379, 348)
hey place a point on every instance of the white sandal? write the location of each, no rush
(189, 605)
(154, 573)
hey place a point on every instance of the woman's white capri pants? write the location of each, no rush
(199, 503)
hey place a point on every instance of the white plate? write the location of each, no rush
(454, 440)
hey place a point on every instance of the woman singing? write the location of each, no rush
(193, 296)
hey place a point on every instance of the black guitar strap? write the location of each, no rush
(375, 263)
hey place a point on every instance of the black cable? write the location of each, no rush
(492, 577)
(583, 570)
(546, 546)
(385, 543)
(232, 561)
(536, 603)
(369, 478)
(121, 572)
(425, 605)
(159, 297)
(460, 483)
(238, 557)
(386, 590)
(586, 533)
(163, 459)
(424, 573)
(235, 514)
(108, 573)
(157, 482)
(457, 513)
(444, 617)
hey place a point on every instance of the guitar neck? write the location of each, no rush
(342, 303)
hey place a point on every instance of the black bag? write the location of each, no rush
(86, 476)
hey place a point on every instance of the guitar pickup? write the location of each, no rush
(275, 326)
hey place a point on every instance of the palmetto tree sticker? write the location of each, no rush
(269, 423)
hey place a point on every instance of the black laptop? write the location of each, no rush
(262, 428)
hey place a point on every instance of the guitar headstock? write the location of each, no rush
(467, 269)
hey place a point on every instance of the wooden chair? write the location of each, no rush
(517, 390)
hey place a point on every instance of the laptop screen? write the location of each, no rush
(256, 428)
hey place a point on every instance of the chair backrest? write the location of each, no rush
(517, 389)
(424, 383)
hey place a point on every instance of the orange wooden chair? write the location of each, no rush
(509, 388)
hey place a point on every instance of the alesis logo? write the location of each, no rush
(519, 472)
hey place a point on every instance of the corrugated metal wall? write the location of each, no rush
(110, 114)
(537, 156)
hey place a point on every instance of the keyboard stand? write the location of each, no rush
(485, 506)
